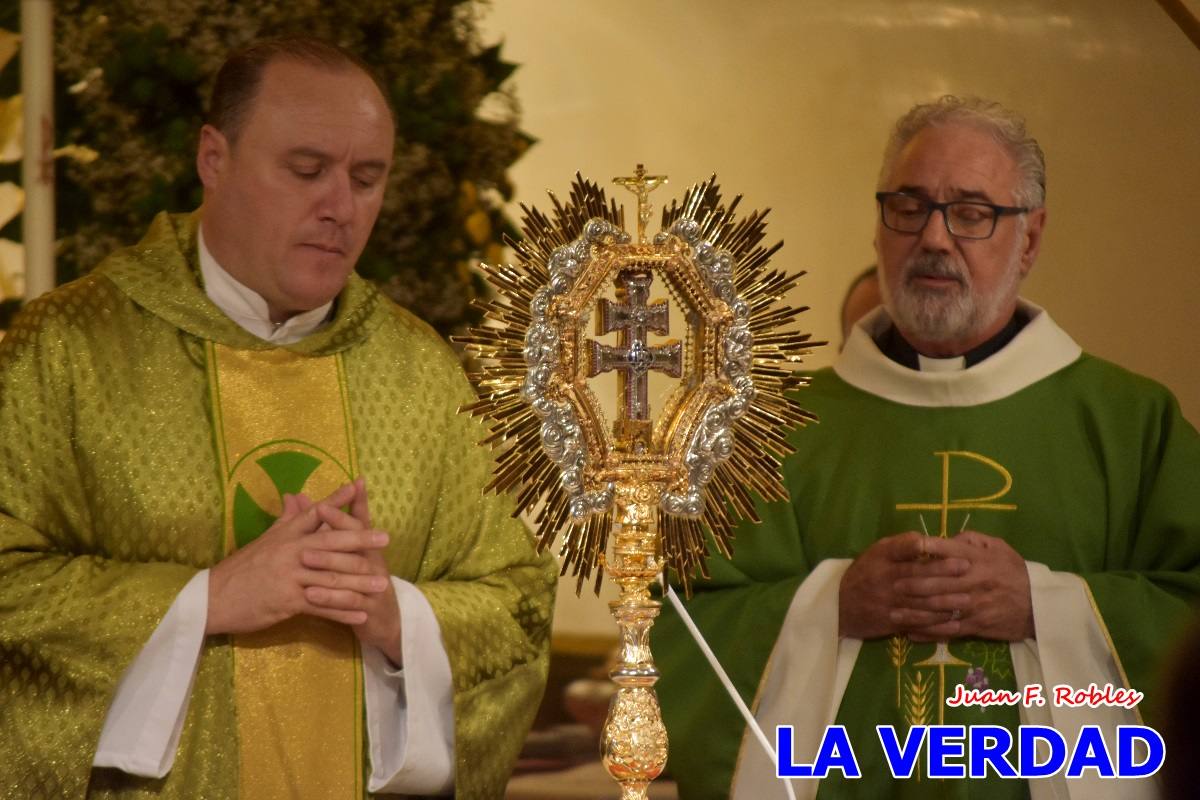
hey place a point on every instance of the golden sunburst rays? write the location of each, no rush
(720, 447)
(758, 438)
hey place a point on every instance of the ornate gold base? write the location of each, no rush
(633, 744)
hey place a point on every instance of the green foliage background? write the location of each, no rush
(132, 82)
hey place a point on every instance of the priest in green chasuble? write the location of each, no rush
(244, 549)
(982, 506)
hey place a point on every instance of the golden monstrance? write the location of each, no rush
(654, 477)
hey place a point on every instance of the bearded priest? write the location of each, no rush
(982, 505)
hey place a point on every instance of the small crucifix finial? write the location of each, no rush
(642, 185)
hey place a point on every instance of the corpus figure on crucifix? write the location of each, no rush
(642, 185)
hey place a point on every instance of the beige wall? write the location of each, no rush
(789, 101)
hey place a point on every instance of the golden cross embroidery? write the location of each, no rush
(942, 657)
(947, 503)
(642, 185)
(633, 317)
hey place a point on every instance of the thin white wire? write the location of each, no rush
(966, 519)
(728, 684)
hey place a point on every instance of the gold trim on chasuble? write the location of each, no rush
(282, 426)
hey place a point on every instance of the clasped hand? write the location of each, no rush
(317, 560)
(932, 589)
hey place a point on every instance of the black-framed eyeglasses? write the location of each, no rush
(965, 219)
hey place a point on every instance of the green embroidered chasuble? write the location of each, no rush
(112, 496)
(1088, 470)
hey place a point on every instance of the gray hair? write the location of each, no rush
(1006, 127)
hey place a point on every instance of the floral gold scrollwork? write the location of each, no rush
(634, 744)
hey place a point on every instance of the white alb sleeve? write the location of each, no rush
(141, 731)
(410, 712)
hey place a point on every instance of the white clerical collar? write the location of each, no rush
(930, 364)
(1040, 349)
(248, 309)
